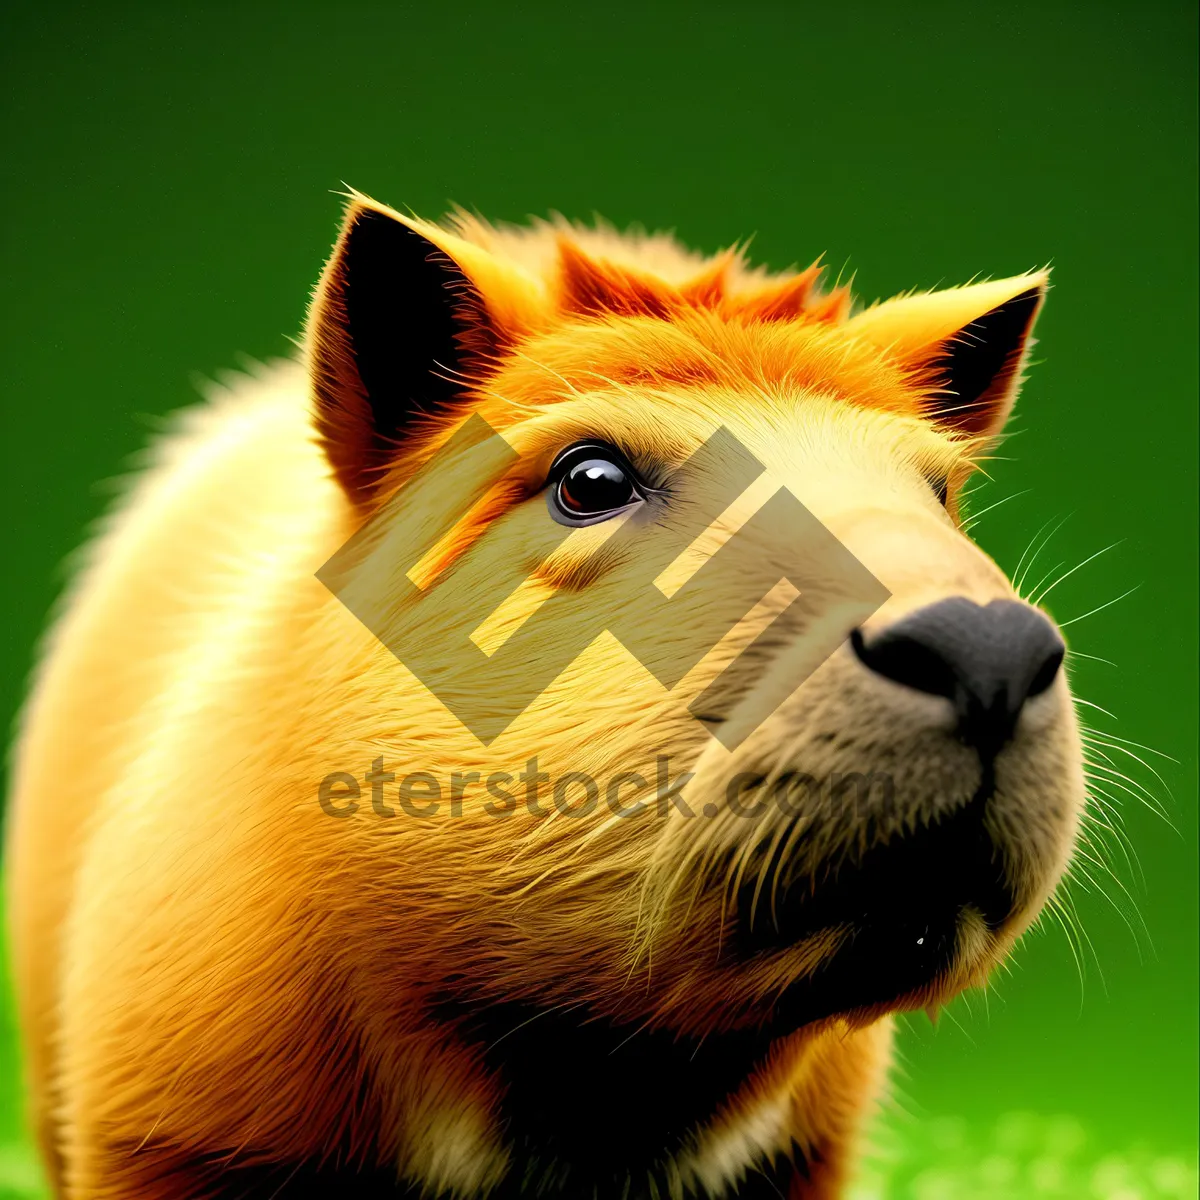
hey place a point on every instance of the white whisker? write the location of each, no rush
(1099, 608)
(1041, 596)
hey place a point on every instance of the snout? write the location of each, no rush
(957, 841)
(987, 660)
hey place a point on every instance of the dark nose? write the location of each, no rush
(987, 659)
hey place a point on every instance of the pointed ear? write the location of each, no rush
(969, 344)
(406, 314)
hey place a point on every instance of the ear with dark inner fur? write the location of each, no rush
(388, 335)
(976, 370)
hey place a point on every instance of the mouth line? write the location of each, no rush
(876, 969)
(910, 890)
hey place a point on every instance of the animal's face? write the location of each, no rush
(883, 790)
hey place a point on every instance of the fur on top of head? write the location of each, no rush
(587, 305)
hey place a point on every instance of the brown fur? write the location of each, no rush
(223, 989)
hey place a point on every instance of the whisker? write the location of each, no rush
(1092, 558)
(1101, 865)
(1114, 905)
(1151, 802)
(1094, 742)
(1099, 608)
(1112, 737)
(1093, 704)
(1032, 542)
(973, 518)
(949, 1014)
(1033, 590)
(1102, 815)
(1110, 768)
(1069, 915)
(1040, 543)
(1056, 910)
(1071, 653)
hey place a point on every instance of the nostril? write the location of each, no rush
(908, 661)
(987, 659)
(1047, 672)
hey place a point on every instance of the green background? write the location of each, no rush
(167, 203)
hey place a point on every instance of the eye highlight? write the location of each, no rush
(591, 482)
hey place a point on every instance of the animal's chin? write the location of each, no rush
(903, 917)
(895, 961)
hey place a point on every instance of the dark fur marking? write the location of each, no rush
(306, 1181)
(589, 1101)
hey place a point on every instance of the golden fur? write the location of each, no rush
(214, 975)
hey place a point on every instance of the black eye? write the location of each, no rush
(590, 483)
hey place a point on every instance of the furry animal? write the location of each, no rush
(281, 927)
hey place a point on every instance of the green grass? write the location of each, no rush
(1024, 1156)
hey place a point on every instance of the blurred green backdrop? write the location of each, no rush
(167, 202)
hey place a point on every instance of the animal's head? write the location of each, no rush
(883, 789)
